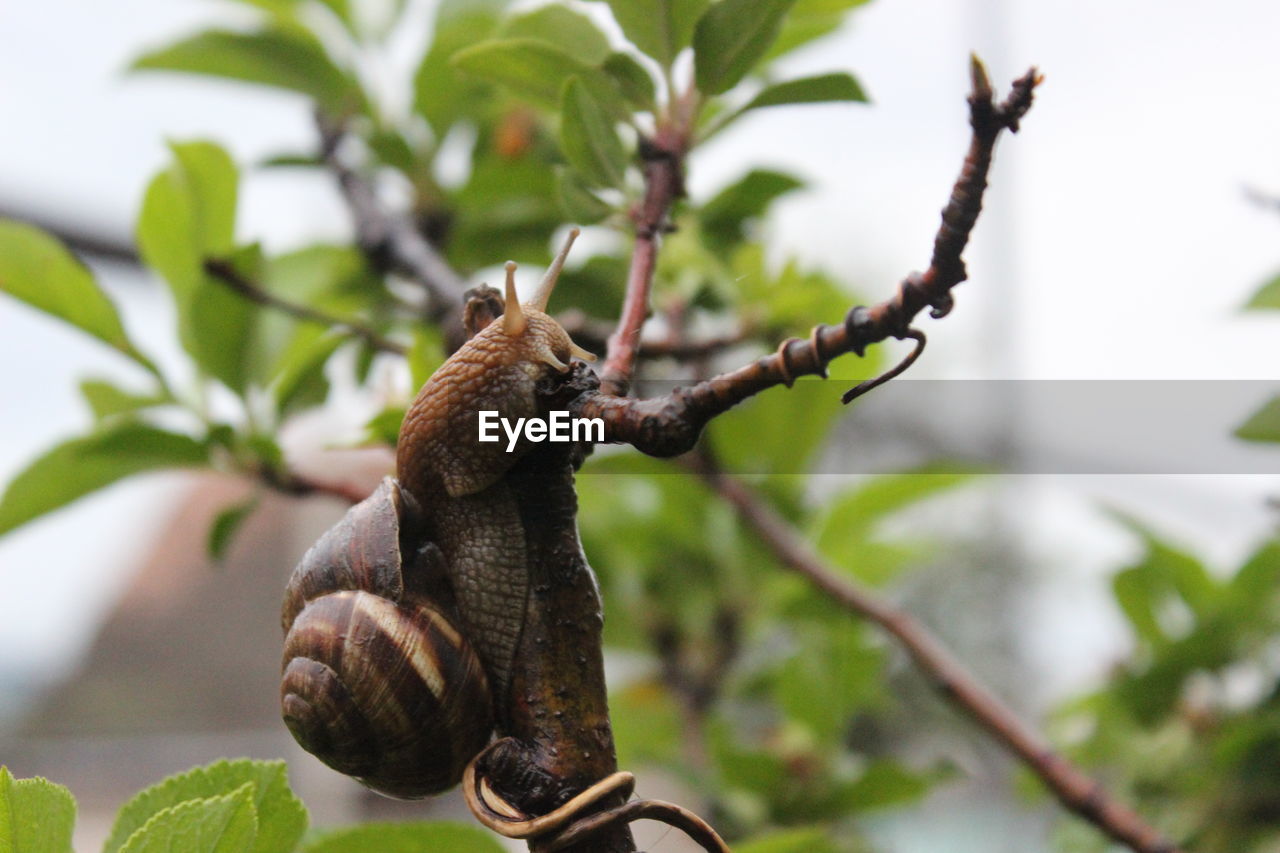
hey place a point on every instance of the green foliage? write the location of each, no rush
(1262, 425)
(1268, 296)
(36, 816)
(240, 806)
(38, 270)
(283, 58)
(731, 38)
(1193, 753)
(659, 28)
(436, 836)
(83, 465)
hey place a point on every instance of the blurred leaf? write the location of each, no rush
(597, 286)
(660, 28)
(1268, 296)
(833, 674)
(855, 512)
(37, 269)
(82, 465)
(886, 783)
(441, 94)
(572, 32)
(300, 381)
(226, 824)
(589, 139)
(724, 216)
(36, 816)
(632, 80)
(188, 214)
(264, 785)
(579, 202)
(777, 432)
(809, 839)
(809, 20)
(1262, 425)
(426, 355)
(435, 836)
(285, 59)
(225, 526)
(809, 90)
(384, 427)
(530, 67)
(647, 726)
(731, 37)
(106, 399)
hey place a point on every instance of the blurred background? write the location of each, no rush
(1122, 235)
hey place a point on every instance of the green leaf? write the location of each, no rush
(36, 816)
(810, 839)
(441, 94)
(810, 20)
(188, 214)
(83, 465)
(1262, 425)
(647, 724)
(660, 28)
(435, 836)
(285, 59)
(281, 817)
(384, 427)
(106, 400)
(300, 381)
(39, 270)
(529, 67)
(588, 138)
(223, 530)
(426, 354)
(857, 511)
(1268, 296)
(632, 80)
(579, 202)
(748, 198)
(765, 436)
(809, 90)
(885, 782)
(731, 38)
(225, 824)
(571, 31)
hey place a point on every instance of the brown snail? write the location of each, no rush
(402, 621)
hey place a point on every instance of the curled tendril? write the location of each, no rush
(863, 387)
(581, 817)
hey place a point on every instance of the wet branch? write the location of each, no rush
(670, 425)
(1072, 787)
(390, 240)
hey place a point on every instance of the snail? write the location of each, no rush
(403, 621)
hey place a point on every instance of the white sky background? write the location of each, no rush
(1117, 243)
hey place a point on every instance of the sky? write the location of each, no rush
(1118, 243)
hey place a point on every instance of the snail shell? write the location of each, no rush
(378, 684)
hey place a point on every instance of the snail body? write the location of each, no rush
(402, 622)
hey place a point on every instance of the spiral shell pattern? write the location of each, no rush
(378, 684)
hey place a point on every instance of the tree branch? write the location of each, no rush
(391, 241)
(1072, 787)
(664, 183)
(670, 425)
(224, 272)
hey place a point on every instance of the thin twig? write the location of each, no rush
(663, 158)
(224, 272)
(390, 240)
(670, 425)
(1073, 788)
